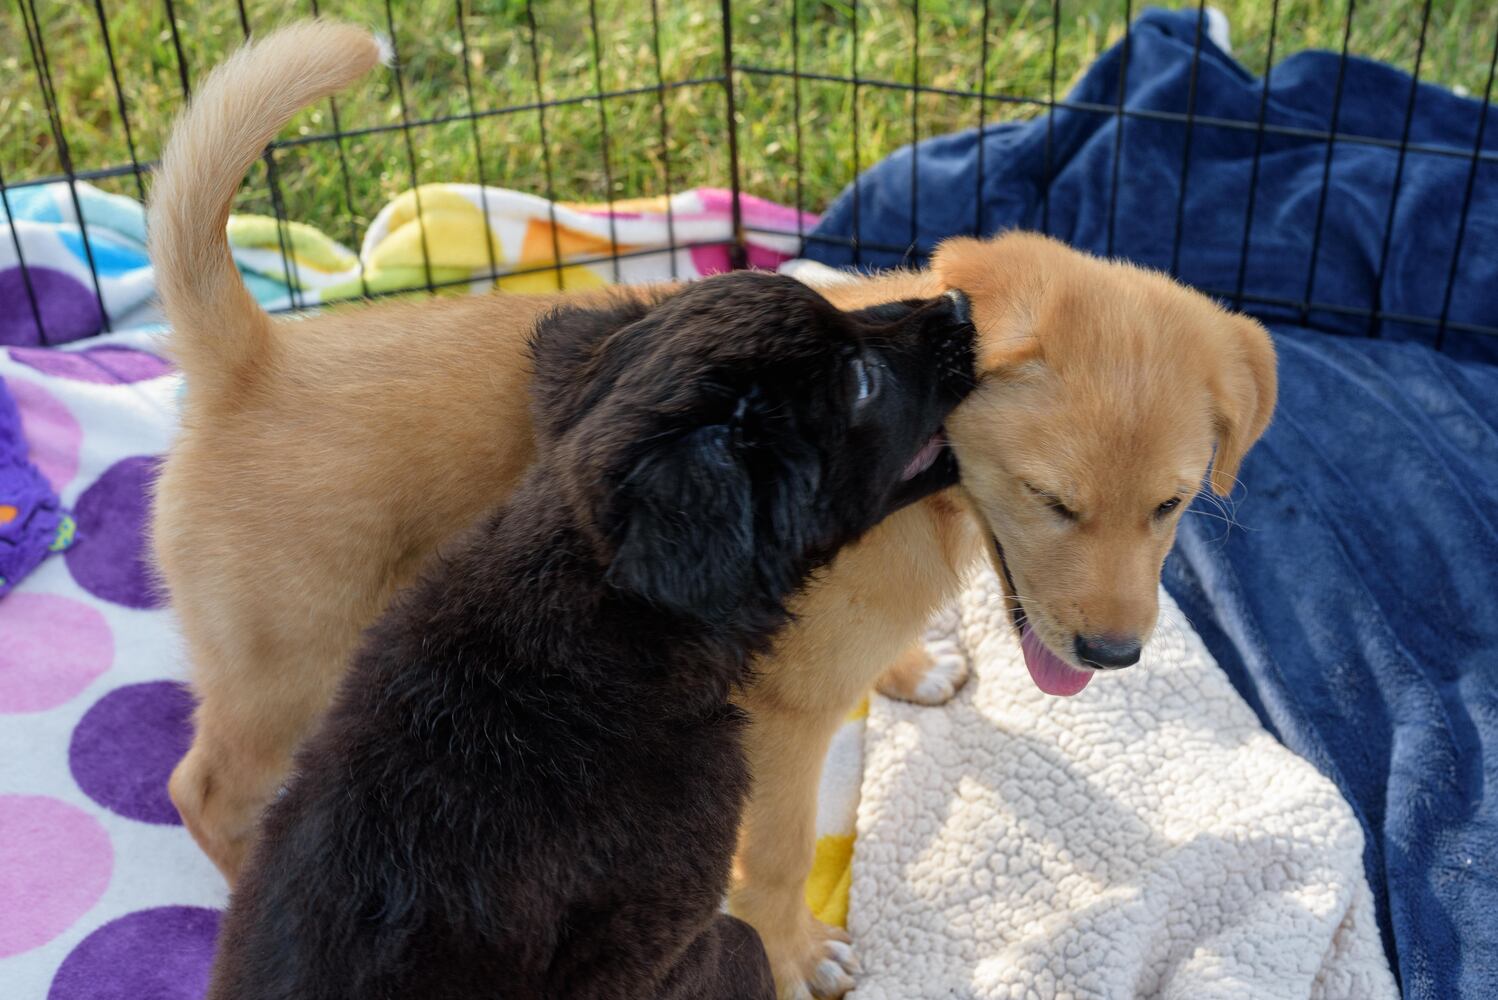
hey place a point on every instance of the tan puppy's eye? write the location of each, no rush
(1165, 508)
(1052, 501)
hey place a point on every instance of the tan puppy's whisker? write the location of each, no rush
(1008, 599)
(1235, 484)
(1227, 518)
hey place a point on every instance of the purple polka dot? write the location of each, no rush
(55, 863)
(164, 954)
(125, 746)
(54, 648)
(110, 560)
(69, 309)
(102, 365)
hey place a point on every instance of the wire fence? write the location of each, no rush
(728, 74)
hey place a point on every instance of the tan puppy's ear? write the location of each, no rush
(1244, 391)
(1004, 278)
(1006, 354)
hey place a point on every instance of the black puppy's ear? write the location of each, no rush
(564, 347)
(687, 542)
(793, 510)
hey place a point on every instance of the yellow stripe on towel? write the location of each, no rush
(831, 877)
(450, 229)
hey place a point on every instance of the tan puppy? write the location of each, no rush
(322, 461)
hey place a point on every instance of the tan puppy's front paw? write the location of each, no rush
(813, 962)
(926, 674)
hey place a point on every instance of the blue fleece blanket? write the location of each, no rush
(1357, 610)
(1286, 189)
(1357, 606)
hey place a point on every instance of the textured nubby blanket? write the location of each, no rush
(1146, 838)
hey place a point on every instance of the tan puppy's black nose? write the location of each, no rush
(1107, 652)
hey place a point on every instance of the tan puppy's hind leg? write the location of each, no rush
(246, 727)
(221, 786)
(218, 811)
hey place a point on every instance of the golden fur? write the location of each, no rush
(321, 461)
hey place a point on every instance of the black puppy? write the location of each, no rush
(529, 785)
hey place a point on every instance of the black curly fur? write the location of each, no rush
(530, 782)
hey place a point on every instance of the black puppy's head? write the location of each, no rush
(722, 443)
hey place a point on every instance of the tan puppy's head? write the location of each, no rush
(1105, 392)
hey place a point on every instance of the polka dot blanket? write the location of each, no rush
(103, 894)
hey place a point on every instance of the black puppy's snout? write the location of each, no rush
(950, 320)
(950, 335)
(1107, 652)
(962, 309)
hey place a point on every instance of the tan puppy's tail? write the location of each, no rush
(220, 332)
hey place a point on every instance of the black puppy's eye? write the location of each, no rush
(1054, 503)
(863, 379)
(1168, 506)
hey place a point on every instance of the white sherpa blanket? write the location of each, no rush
(1146, 838)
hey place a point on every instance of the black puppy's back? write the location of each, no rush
(523, 790)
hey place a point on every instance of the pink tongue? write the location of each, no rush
(1050, 673)
(923, 458)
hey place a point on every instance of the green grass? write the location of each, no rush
(500, 65)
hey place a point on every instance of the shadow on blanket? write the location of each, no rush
(1354, 607)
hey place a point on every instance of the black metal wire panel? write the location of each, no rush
(1196, 56)
(983, 120)
(400, 90)
(478, 142)
(1253, 174)
(1050, 124)
(36, 44)
(278, 200)
(1326, 170)
(1118, 111)
(853, 81)
(665, 135)
(612, 78)
(349, 207)
(1404, 141)
(1461, 230)
(15, 237)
